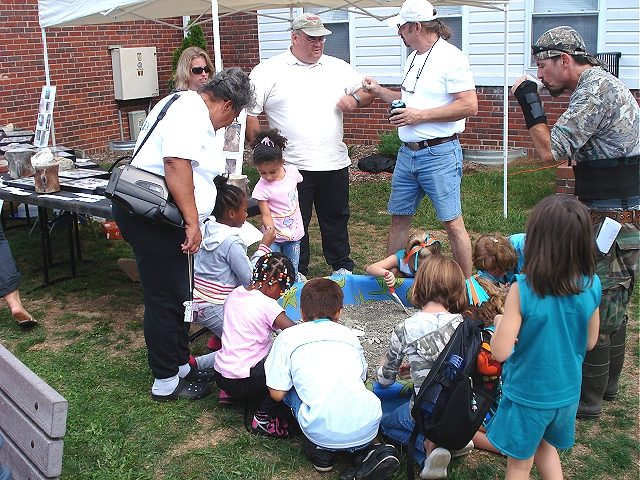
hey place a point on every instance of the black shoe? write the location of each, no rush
(321, 458)
(203, 375)
(379, 463)
(186, 389)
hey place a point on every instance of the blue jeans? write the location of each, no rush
(292, 400)
(435, 171)
(290, 249)
(398, 424)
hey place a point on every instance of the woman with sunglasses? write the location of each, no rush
(193, 70)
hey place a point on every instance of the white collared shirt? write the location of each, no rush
(446, 71)
(300, 100)
(185, 132)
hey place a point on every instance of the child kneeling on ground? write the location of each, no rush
(318, 369)
(439, 291)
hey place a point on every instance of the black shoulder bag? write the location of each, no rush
(141, 192)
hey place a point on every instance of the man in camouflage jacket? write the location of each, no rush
(598, 133)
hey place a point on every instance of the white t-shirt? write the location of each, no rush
(324, 362)
(445, 71)
(300, 100)
(185, 132)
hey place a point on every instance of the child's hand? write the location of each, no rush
(269, 235)
(389, 279)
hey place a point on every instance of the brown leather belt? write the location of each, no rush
(622, 216)
(432, 142)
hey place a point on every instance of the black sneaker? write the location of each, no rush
(379, 463)
(204, 375)
(321, 458)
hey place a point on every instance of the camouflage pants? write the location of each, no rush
(618, 271)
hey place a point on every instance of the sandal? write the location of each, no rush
(185, 389)
(26, 323)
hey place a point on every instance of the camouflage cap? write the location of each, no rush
(559, 40)
(311, 24)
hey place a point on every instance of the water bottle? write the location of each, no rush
(452, 365)
(450, 369)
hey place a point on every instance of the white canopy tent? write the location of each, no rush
(58, 13)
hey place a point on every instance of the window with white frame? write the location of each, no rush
(336, 44)
(582, 15)
(451, 16)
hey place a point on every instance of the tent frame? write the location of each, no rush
(351, 6)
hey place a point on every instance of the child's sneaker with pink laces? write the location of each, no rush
(224, 398)
(264, 424)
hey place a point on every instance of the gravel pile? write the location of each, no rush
(376, 321)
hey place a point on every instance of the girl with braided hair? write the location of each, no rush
(222, 263)
(251, 315)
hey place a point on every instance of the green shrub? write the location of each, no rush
(195, 38)
(389, 143)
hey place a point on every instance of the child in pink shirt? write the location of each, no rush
(251, 315)
(277, 194)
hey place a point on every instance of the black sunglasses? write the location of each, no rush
(537, 49)
(199, 70)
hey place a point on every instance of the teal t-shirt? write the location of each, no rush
(545, 368)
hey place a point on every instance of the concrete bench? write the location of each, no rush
(33, 421)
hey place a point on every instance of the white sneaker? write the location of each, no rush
(342, 271)
(466, 450)
(435, 466)
(300, 277)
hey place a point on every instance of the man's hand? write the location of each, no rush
(405, 116)
(347, 104)
(517, 83)
(371, 86)
(192, 239)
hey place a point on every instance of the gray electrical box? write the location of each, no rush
(135, 72)
(136, 120)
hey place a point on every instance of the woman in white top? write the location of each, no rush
(181, 148)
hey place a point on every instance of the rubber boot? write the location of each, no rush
(616, 359)
(595, 377)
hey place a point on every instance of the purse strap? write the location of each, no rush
(160, 116)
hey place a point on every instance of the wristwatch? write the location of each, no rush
(356, 97)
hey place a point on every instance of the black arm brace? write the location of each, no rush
(529, 100)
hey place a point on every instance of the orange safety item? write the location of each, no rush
(486, 364)
(111, 231)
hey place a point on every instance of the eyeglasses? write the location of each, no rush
(199, 70)
(311, 39)
(537, 49)
(413, 90)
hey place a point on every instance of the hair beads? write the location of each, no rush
(273, 268)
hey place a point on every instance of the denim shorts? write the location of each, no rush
(436, 171)
(517, 430)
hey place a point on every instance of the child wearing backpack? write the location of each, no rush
(221, 264)
(405, 262)
(439, 290)
(251, 316)
(277, 194)
(318, 369)
(551, 319)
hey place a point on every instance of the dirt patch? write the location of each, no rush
(376, 321)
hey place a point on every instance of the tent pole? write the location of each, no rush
(217, 56)
(505, 110)
(47, 78)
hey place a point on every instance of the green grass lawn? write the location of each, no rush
(90, 348)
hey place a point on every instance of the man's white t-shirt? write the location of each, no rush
(325, 363)
(300, 100)
(443, 71)
(185, 132)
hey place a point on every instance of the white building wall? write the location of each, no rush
(377, 51)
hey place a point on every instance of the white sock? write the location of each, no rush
(164, 386)
(206, 361)
(183, 370)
